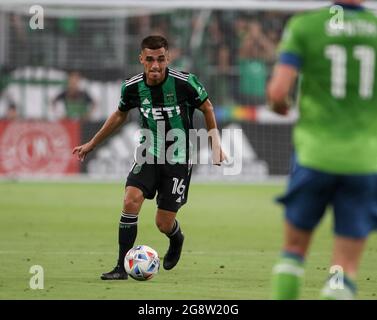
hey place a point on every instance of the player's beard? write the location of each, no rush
(156, 76)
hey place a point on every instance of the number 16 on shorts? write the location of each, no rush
(179, 188)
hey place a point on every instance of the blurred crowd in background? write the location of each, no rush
(72, 59)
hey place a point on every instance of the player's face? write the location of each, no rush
(155, 62)
(73, 81)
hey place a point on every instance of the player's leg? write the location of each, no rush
(140, 185)
(347, 253)
(296, 241)
(132, 203)
(289, 270)
(133, 200)
(165, 220)
(167, 224)
(308, 194)
(172, 194)
(355, 210)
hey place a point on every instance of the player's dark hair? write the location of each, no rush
(154, 42)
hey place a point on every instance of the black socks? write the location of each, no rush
(127, 235)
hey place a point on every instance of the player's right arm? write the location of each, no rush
(280, 86)
(287, 69)
(111, 124)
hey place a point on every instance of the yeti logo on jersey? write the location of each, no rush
(157, 113)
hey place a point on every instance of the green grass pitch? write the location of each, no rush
(233, 236)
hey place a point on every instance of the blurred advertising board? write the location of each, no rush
(38, 147)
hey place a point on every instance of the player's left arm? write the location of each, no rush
(279, 87)
(218, 155)
(198, 98)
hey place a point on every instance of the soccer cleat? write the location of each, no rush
(174, 252)
(117, 273)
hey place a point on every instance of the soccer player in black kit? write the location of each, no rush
(166, 98)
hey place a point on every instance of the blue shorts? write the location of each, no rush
(353, 198)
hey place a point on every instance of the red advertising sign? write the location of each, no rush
(38, 147)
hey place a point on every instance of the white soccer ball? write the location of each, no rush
(142, 262)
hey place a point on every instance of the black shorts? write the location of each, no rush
(170, 181)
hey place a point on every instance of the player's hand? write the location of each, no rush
(281, 108)
(82, 150)
(219, 157)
